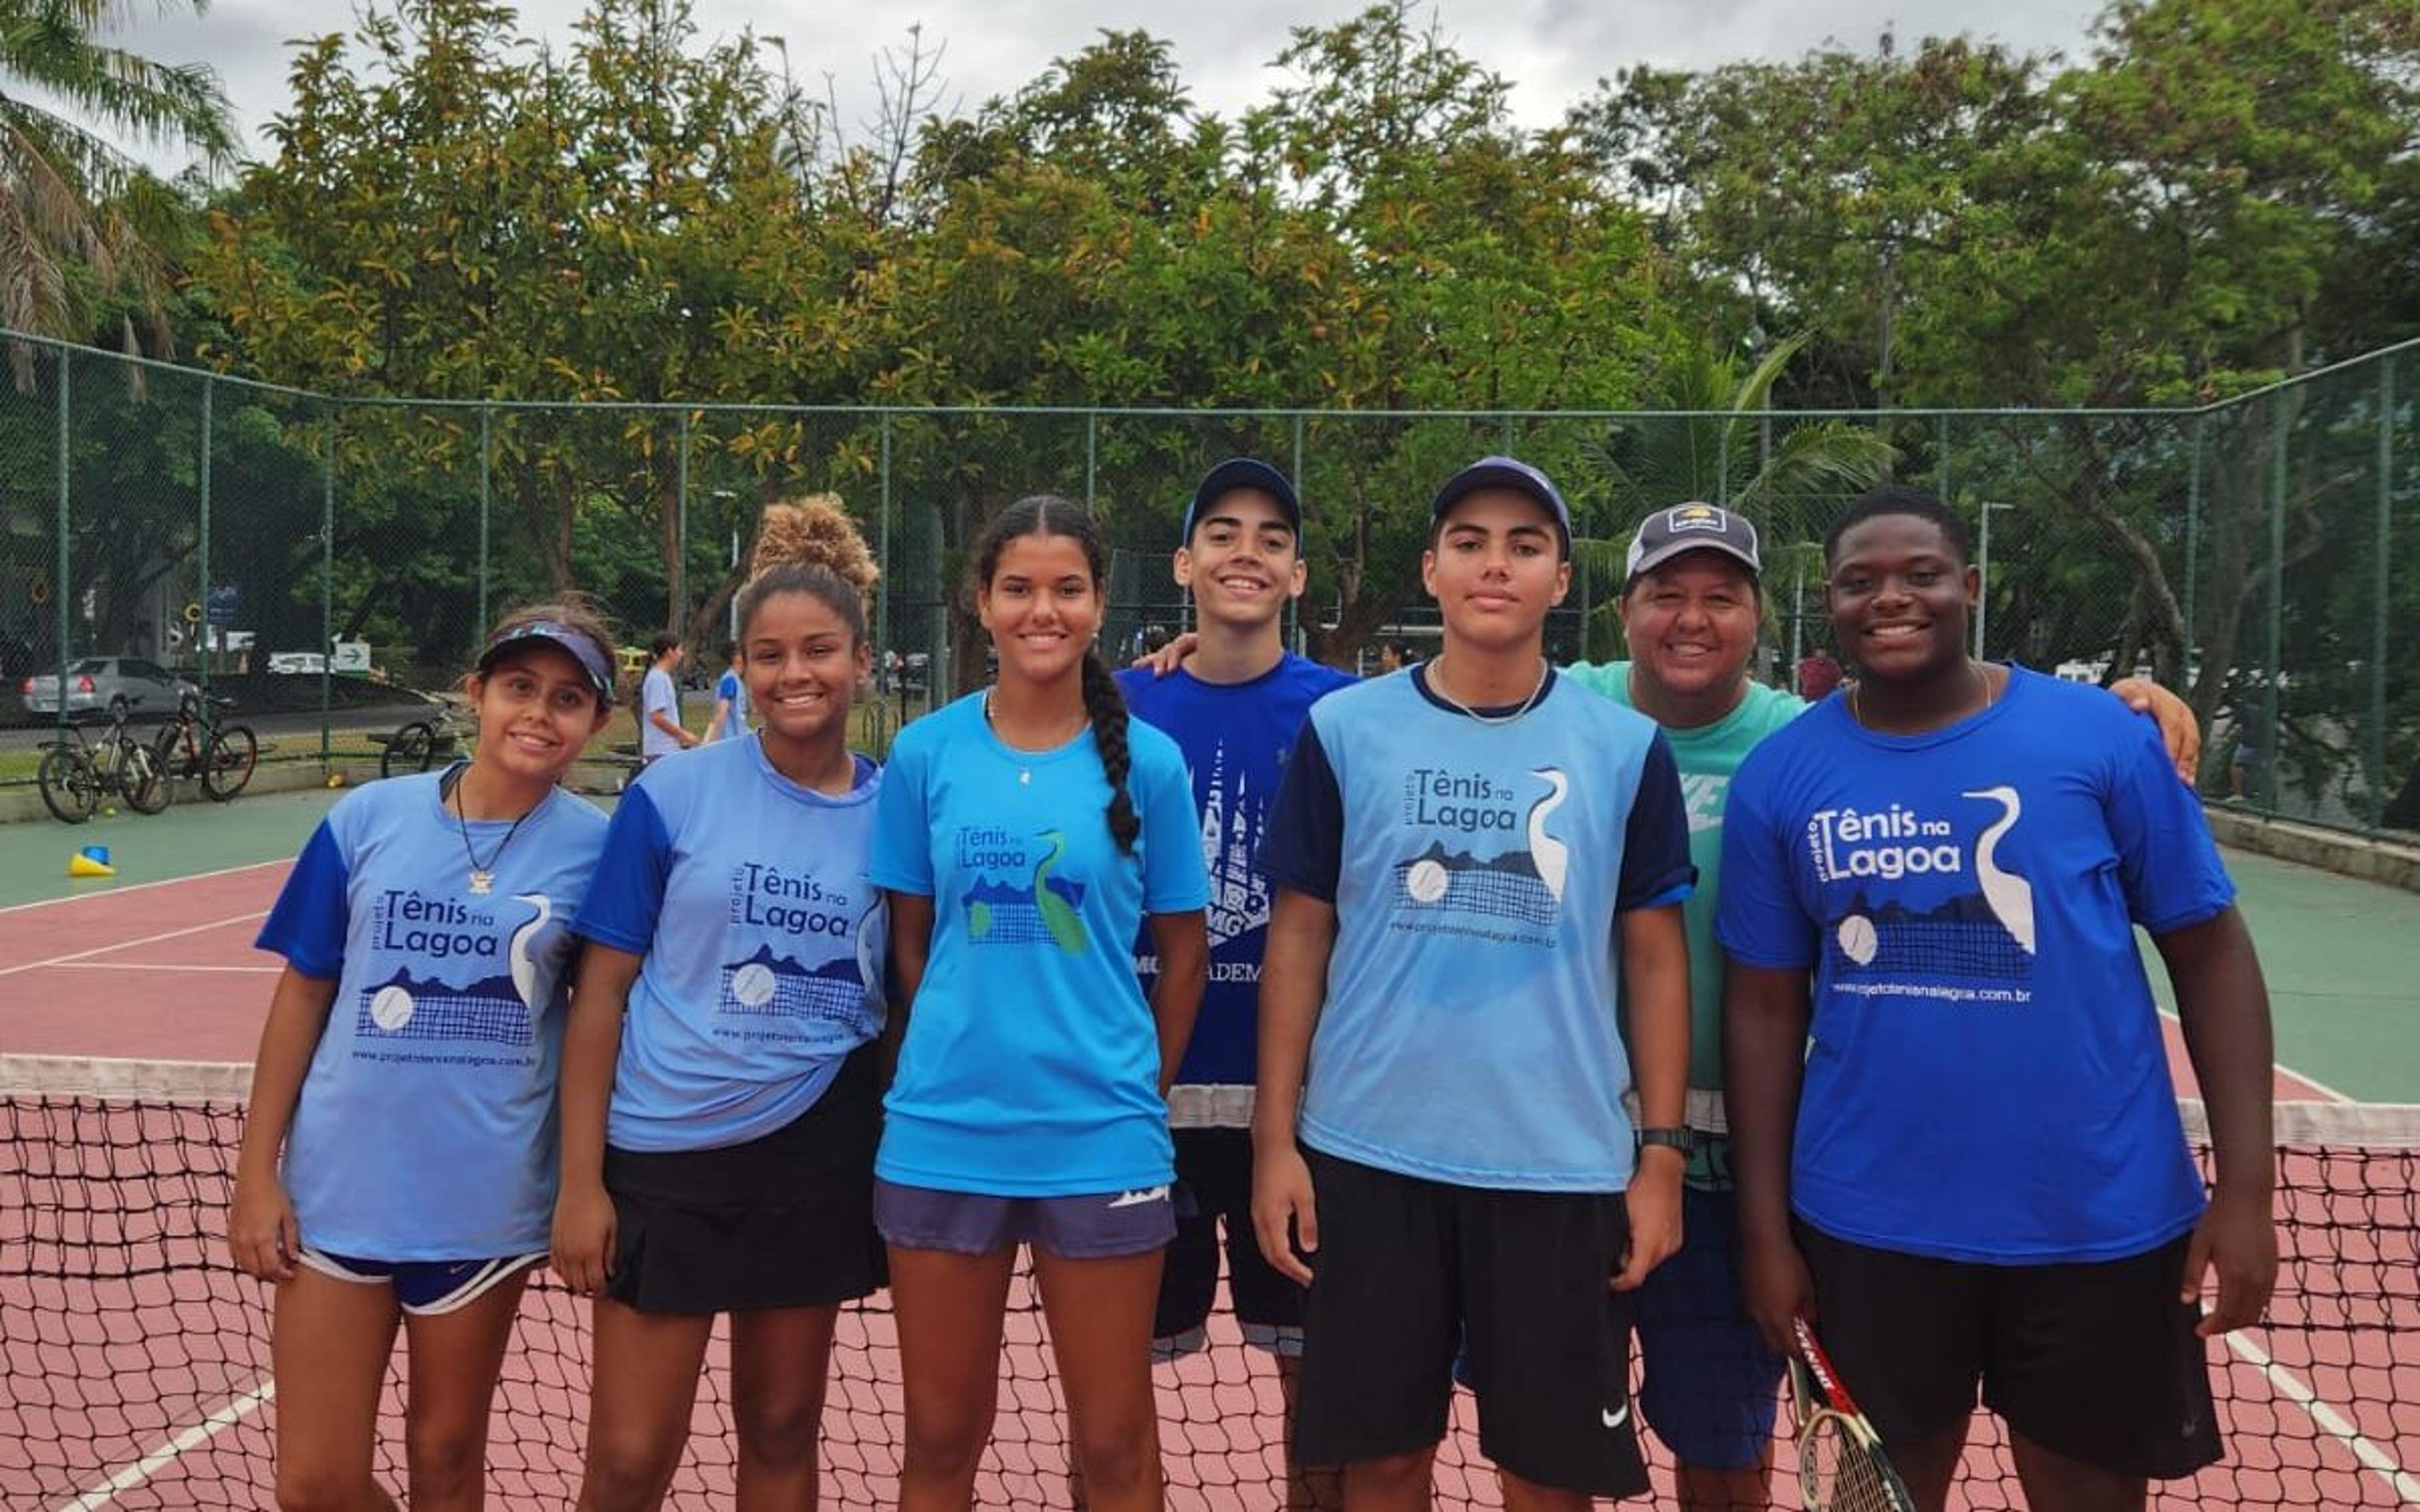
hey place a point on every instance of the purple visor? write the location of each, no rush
(574, 643)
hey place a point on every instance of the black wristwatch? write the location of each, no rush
(1684, 1140)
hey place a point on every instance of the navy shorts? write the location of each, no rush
(424, 1288)
(1094, 1226)
(1711, 1388)
(1215, 1167)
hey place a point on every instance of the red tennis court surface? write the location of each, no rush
(133, 1363)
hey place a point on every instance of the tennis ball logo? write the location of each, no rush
(752, 985)
(391, 1010)
(1426, 881)
(1857, 939)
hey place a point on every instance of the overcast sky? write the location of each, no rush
(1552, 51)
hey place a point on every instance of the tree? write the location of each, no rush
(1708, 435)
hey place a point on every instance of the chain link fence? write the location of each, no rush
(320, 560)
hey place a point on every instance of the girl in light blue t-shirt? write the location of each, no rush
(1025, 834)
(407, 1075)
(719, 1081)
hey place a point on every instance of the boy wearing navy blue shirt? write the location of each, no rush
(1960, 1151)
(1440, 1141)
(1236, 706)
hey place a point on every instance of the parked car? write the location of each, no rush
(110, 685)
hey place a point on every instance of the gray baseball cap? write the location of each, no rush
(1692, 526)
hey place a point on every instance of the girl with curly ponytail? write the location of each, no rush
(1026, 835)
(720, 1077)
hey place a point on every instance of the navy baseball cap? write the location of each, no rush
(1504, 472)
(1243, 473)
(1692, 526)
(572, 642)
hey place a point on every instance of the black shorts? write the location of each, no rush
(783, 1221)
(2096, 1362)
(1408, 1270)
(1215, 1166)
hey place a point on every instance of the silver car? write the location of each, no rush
(113, 684)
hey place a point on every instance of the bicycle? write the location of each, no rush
(74, 777)
(418, 744)
(195, 745)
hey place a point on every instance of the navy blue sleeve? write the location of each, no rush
(627, 893)
(1656, 866)
(307, 925)
(1303, 847)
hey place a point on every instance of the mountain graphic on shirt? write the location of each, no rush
(428, 1009)
(1960, 936)
(1048, 910)
(1505, 886)
(768, 983)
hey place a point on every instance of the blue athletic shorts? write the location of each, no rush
(423, 1288)
(1093, 1227)
(1711, 1386)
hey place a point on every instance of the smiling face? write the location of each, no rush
(1496, 569)
(1042, 606)
(1692, 624)
(1243, 562)
(802, 664)
(536, 711)
(1901, 598)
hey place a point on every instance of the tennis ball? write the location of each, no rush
(336, 779)
(108, 811)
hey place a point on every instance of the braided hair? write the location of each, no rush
(809, 545)
(1104, 705)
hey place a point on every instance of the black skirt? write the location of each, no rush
(782, 1221)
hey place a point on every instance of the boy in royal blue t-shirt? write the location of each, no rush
(1962, 1152)
(1440, 1124)
(1234, 706)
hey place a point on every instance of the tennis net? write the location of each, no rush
(135, 1361)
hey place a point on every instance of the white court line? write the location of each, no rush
(2405, 1485)
(139, 887)
(162, 965)
(128, 945)
(130, 1476)
(2326, 1092)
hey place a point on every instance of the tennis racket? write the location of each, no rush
(1841, 1463)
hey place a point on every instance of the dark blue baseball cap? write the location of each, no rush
(564, 637)
(1504, 472)
(1243, 473)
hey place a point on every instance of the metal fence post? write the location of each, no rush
(2193, 537)
(2275, 653)
(678, 623)
(2374, 747)
(487, 486)
(62, 587)
(328, 592)
(202, 542)
(882, 642)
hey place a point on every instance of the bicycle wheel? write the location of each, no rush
(227, 762)
(71, 789)
(146, 787)
(409, 749)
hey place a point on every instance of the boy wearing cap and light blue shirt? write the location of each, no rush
(1440, 1124)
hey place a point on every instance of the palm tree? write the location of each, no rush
(79, 218)
(1714, 438)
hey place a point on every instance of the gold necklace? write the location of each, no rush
(1545, 670)
(1856, 710)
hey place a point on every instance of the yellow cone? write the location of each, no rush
(81, 865)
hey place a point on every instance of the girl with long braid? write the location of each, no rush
(721, 1078)
(1025, 834)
